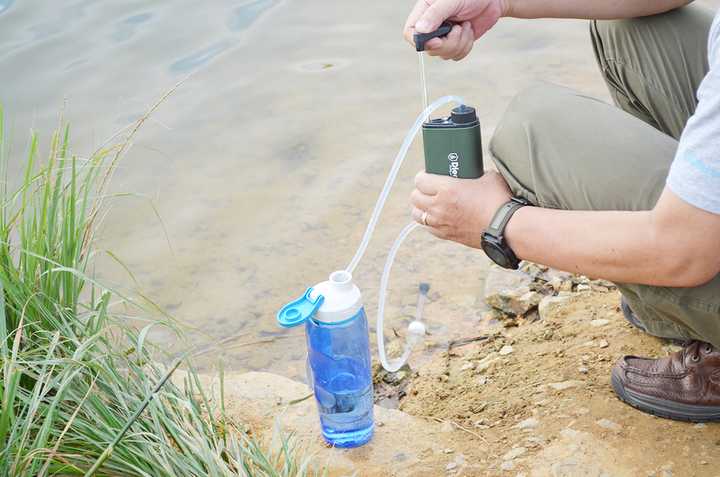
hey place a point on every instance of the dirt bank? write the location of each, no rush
(535, 400)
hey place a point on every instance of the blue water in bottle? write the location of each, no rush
(339, 373)
(338, 361)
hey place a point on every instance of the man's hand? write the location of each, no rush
(474, 18)
(458, 209)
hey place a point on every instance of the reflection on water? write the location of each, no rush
(5, 4)
(199, 58)
(129, 26)
(244, 15)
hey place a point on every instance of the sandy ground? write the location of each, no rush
(547, 407)
(542, 408)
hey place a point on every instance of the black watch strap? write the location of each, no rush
(503, 215)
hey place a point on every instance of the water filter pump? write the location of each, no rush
(452, 145)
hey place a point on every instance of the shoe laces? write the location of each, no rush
(697, 349)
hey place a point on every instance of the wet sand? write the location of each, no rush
(266, 163)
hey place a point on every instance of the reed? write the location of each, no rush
(81, 392)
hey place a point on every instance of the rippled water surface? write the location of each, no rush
(266, 162)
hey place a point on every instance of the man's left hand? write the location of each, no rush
(458, 209)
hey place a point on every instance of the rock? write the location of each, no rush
(599, 288)
(529, 423)
(599, 322)
(514, 453)
(582, 370)
(487, 363)
(501, 279)
(547, 302)
(582, 287)
(556, 283)
(566, 286)
(507, 465)
(700, 425)
(562, 386)
(448, 451)
(468, 365)
(603, 344)
(451, 466)
(482, 380)
(577, 453)
(505, 350)
(603, 283)
(515, 302)
(609, 425)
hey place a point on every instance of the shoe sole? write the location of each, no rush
(664, 408)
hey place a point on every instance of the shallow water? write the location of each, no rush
(266, 163)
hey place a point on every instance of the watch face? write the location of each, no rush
(495, 252)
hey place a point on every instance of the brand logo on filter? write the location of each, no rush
(453, 164)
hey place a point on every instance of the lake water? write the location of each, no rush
(266, 162)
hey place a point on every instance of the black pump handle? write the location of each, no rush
(422, 38)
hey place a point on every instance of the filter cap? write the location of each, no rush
(463, 114)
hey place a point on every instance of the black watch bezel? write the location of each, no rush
(495, 246)
(497, 250)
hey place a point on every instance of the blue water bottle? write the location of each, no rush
(338, 361)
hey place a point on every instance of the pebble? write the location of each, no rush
(505, 350)
(482, 380)
(583, 287)
(466, 366)
(529, 423)
(514, 453)
(700, 425)
(565, 385)
(448, 451)
(603, 344)
(608, 424)
(447, 427)
(507, 465)
(582, 370)
(599, 322)
(450, 466)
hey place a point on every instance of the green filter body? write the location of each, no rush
(453, 146)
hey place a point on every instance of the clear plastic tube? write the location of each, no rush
(416, 330)
(399, 158)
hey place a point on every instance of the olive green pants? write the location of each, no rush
(561, 149)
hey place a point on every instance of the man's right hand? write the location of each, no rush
(474, 18)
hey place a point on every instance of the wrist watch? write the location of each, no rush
(493, 241)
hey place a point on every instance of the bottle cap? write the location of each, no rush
(297, 311)
(331, 301)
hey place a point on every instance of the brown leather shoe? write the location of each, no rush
(683, 386)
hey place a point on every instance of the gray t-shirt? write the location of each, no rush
(695, 172)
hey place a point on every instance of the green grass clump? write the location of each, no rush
(74, 376)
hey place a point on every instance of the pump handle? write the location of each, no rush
(422, 38)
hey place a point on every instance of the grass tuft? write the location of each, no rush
(80, 393)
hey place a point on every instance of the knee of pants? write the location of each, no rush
(535, 113)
